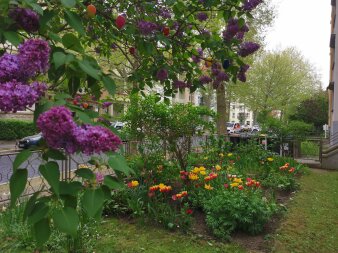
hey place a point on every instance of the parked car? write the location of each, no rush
(118, 125)
(29, 141)
(255, 129)
(233, 127)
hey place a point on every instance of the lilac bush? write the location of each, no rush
(25, 19)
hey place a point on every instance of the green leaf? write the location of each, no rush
(39, 211)
(50, 171)
(70, 201)
(59, 58)
(37, 8)
(74, 21)
(30, 205)
(41, 231)
(17, 184)
(85, 173)
(89, 69)
(70, 188)
(109, 84)
(20, 158)
(12, 37)
(112, 182)
(83, 117)
(72, 42)
(66, 220)
(92, 201)
(117, 162)
(68, 3)
(55, 154)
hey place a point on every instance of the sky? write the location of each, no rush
(305, 25)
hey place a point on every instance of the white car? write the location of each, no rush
(233, 127)
(255, 128)
(118, 125)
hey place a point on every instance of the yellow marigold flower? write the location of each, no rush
(234, 184)
(217, 167)
(202, 172)
(221, 155)
(270, 159)
(208, 187)
(201, 168)
(161, 185)
(230, 154)
(193, 176)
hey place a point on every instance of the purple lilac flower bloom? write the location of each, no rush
(197, 59)
(205, 32)
(215, 69)
(248, 48)
(16, 96)
(58, 129)
(96, 139)
(249, 5)
(180, 84)
(205, 79)
(164, 12)
(242, 73)
(162, 74)
(233, 28)
(34, 56)
(146, 27)
(25, 18)
(221, 76)
(9, 68)
(202, 16)
(106, 104)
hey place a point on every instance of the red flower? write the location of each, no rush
(226, 185)
(188, 211)
(240, 187)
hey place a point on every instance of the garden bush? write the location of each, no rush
(232, 209)
(12, 129)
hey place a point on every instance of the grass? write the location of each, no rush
(122, 237)
(311, 224)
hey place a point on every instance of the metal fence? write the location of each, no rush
(35, 182)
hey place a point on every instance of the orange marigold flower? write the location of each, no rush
(240, 187)
(208, 187)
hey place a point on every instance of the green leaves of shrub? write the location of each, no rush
(66, 220)
(17, 184)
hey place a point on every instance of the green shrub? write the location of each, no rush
(12, 129)
(234, 209)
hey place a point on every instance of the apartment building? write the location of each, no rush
(240, 113)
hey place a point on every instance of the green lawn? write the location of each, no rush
(311, 224)
(122, 237)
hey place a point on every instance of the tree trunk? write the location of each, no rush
(221, 111)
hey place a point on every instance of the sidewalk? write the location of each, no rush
(312, 163)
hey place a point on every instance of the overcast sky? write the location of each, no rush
(304, 24)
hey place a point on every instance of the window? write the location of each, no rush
(233, 115)
(240, 108)
(247, 115)
(248, 122)
(233, 107)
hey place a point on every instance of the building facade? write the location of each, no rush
(332, 90)
(239, 113)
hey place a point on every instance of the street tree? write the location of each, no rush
(278, 80)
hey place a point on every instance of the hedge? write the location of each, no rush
(13, 129)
